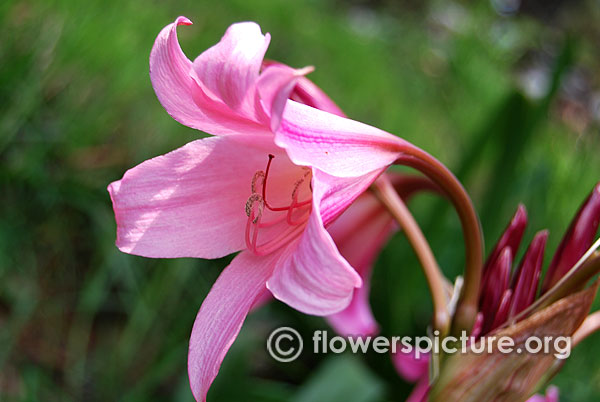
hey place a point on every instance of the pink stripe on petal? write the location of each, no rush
(313, 277)
(308, 93)
(169, 73)
(338, 146)
(229, 69)
(340, 192)
(274, 86)
(221, 317)
(176, 87)
(190, 202)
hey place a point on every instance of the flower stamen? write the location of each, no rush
(256, 204)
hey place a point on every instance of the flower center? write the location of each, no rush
(283, 223)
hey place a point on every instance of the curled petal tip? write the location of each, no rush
(275, 85)
(304, 71)
(181, 20)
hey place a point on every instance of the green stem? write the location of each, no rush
(467, 306)
(385, 192)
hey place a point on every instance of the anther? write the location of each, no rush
(260, 175)
(299, 182)
(254, 198)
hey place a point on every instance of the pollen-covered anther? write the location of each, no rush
(258, 176)
(252, 200)
(288, 220)
(299, 182)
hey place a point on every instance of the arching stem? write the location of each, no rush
(385, 192)
(467, 306)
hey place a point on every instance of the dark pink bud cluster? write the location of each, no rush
(504, 292)
(577, 240)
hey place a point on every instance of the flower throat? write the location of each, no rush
(291, 218)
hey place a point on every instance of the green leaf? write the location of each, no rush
(343, 378)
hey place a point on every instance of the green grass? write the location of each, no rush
(81, 321)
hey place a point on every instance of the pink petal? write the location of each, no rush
(493, 289)
(503, 309)
(275, 86)
(221, 317)
(190, 202)
(526, 277)
(551, 395)
(511, 237)
(411, 368)
(577, 240)
(309, 93)
(356, 319)
(173, 79)
(338, 193)
(228, 71)
(338, 146)
(264, 298)
(360, 233)
(416, 370)
(420, 391)
(477, 326)
(313, 277)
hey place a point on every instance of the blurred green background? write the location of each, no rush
(506, 93)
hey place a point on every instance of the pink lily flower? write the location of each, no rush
(276, 174)
(361, 232)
